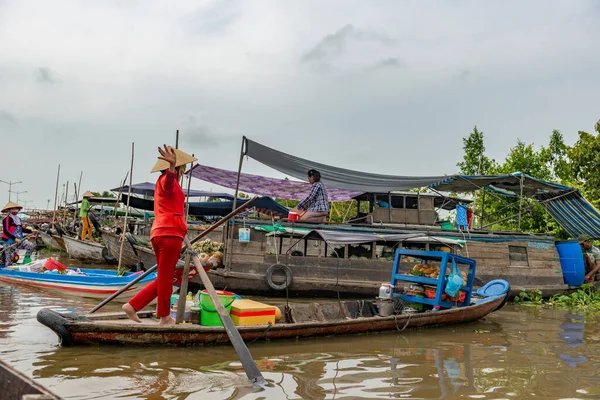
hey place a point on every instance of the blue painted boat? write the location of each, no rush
(96, 283)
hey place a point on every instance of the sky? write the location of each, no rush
(387, 87)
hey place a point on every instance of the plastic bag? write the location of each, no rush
(455, 281)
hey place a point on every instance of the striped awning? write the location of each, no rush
(574, 213)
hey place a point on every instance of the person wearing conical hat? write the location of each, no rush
(168, 230)
(84, 214)
(12, 233)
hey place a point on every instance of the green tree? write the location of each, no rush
(584, 157)
(475, 162)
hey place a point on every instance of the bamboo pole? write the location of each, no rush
(65, 210)
(235, 196)
(127, 208)
(56, 195)
(186, 267)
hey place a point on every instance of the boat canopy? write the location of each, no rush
(508, 184)
(264, 205)
(334, 177)
(147, 189)
(261, 185)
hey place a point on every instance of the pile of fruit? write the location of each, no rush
(207, 249)
(431, 271)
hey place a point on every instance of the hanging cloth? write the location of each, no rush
(461, 217)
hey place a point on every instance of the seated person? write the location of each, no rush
(12, 233)
(383, 204)
(591, 259)
(315, 207)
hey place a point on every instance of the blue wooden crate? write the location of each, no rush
(440, 282)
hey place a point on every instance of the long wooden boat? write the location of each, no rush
(86, 250)
(298, 320)
(53, 241)
(15, 385)
(129, 257)
(97, 283)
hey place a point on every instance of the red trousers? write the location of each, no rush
(167, 250)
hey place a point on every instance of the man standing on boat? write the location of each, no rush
(168, 230)
(591, 259)
(84, 214)
(316, 204)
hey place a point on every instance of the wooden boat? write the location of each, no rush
(15, 385)
(53, 241)
(298, 320)
(129, 257)
(98, 283)
(87, 250)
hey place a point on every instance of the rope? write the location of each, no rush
(269, 326)
(405, 325)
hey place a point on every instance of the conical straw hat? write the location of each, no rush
(182, 159)
(88, 194)
(10, 205)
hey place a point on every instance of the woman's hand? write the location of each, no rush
(168, 154)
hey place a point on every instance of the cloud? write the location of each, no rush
(391, 62)
(6, 116)
(217, 18)
(338, 42)
(45, 75)
(198, 134)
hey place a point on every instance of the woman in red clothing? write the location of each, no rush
(168, 230)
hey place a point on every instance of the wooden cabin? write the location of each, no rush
(404, 207)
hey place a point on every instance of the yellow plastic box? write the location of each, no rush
(251, 313)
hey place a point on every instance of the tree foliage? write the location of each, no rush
(577, 165)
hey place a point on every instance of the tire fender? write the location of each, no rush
(288, 277)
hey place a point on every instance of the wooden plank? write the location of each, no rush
(247, 259)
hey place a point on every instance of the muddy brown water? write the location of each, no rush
(518, 352)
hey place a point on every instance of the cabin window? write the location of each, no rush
(412, 203)
(518, 256)
(397, 201)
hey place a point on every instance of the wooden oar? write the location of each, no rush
(152, 269)
(235, 338)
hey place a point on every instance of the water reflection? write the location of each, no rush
(572, 334)
(513, 353)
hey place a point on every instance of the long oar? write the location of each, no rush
(152, 269)
(235, 338)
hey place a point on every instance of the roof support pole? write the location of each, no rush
(235, 197)
(521, 183)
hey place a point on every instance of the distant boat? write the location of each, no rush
(87, 250)
(97, 283)
(53, 241)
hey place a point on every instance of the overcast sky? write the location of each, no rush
(385, 86)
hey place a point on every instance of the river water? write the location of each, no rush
(517, 352)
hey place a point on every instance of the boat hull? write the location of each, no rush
(15, 385)
(82, 250)
(129, 258)
(52, 242)
(300, 320)
(99, 284)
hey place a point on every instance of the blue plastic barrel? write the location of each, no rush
(571, 262)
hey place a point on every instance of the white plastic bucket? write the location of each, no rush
(244, 235)
(21, 253)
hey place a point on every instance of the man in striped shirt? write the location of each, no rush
(316, 204)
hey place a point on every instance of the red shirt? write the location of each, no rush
(169, 203)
